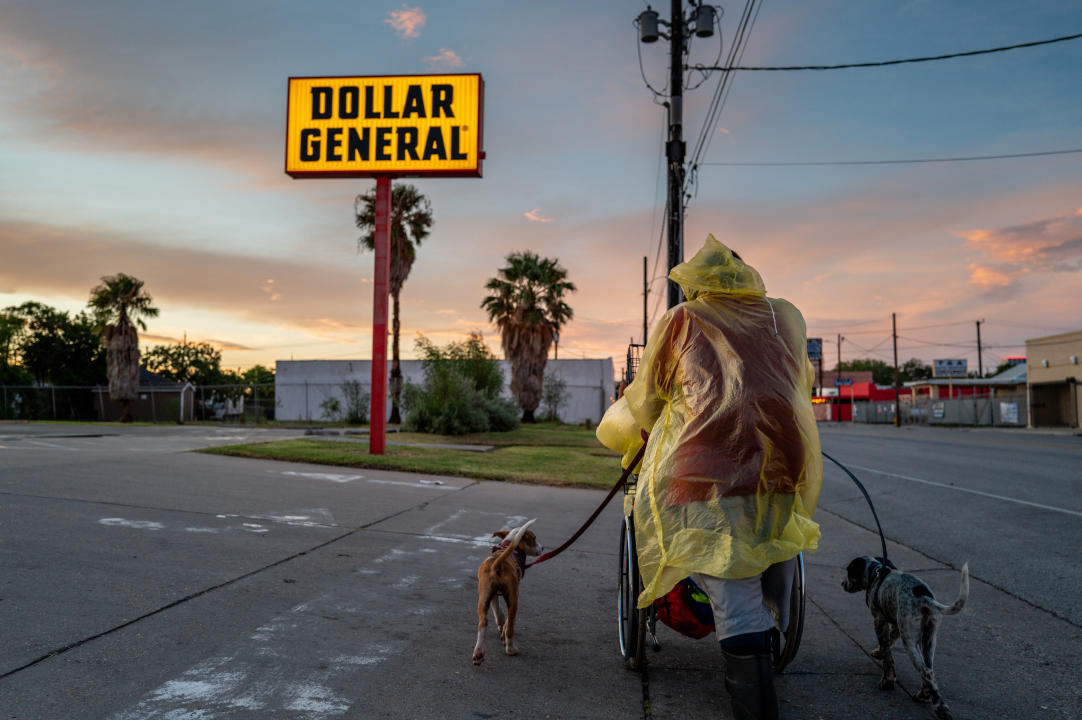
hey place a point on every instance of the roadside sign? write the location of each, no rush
(838, 382)
(815, 348)
(952, 368)
(384, 127)
(404, 125)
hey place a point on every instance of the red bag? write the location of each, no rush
(686, 609)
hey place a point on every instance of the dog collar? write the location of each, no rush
(878, 573)
(518, 555)
(875, 579)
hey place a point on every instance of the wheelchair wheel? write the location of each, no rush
(632, 620)
(784, 645)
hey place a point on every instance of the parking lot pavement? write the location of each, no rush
(178, 585)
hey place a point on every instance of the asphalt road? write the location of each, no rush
(140, 580)
(1008, 502)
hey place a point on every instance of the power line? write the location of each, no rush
(967, 346)
(909, 161)
(1030, 326)
(724, 87)
(882, 63)
(938, 325)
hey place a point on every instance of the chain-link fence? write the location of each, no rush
(154, 403)
(1003, 410)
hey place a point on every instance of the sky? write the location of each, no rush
(148, 138)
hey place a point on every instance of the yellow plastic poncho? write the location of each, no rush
(732, 470)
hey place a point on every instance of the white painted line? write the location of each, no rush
(55, 446)
(333, 477)
(421, 484)
(973, 492)
(136, 524)
(291, 666)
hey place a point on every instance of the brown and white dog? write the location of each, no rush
(499, 576)
(902, 605)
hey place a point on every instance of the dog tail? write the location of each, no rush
(963, 595)
(513, 537)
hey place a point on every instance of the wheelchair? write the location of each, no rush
(639, 625)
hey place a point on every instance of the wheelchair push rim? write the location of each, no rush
(631, 620)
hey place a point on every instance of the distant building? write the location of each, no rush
(306, 389)
(1013, 379)
(159, 399)
(1055, 398)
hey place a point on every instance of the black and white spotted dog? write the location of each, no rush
(902, 605)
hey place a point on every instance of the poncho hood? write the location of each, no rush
(715, 270)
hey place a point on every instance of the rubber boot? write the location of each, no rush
(750, 682)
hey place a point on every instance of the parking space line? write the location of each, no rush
(968, 490)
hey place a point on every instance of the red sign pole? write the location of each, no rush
(377, 438)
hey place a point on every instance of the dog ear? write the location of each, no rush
(500, 533)
(857, 569)
(528, 542)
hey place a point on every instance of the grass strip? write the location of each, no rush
(571, 465)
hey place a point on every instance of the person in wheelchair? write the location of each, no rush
(732, 471)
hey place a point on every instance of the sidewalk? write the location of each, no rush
(999, 658)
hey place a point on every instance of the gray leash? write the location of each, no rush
(882, 539)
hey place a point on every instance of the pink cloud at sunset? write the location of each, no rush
(444, 60)
(1053, 245)
(535, 216)
(407, 21)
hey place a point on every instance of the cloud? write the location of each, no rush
(407, 22)
(268, 287)
(1005, 255)
(304, 296)
(535, 216)
(990, 276)
(154, 339)
(445, 59)
(723, 130)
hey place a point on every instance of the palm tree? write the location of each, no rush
(526, 301)
(116, 303)
(411, 218)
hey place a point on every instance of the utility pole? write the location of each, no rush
(980, 364)
(701, 22)
(645, 295)
(675, 149)
(897, 404)
(838, 375)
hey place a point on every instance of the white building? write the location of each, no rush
(304, 389)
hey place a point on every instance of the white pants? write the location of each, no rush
(750, 605)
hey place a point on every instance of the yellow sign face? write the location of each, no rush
(385, 125)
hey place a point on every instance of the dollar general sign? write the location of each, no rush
(385, 125)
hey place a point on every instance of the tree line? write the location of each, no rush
(42, 345)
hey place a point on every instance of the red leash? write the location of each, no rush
(612, 493)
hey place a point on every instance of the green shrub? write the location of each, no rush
(353, 408)
(554, 395)
(460, 394)
(356, 411)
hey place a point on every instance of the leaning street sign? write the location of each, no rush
(401, 125)
(815, 348)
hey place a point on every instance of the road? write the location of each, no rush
(140, 580)
(1008, 502)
